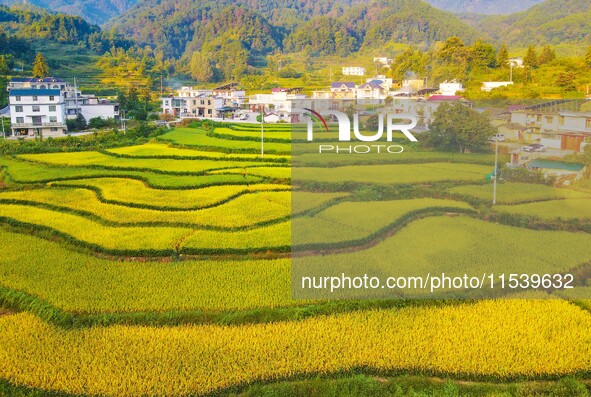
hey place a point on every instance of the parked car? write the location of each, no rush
(243, 117)
(535, 147)
(497, 137)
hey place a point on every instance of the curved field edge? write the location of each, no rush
(20, 301)
(212, 359)
(365, 384)
(244, 190)
(29, 173)
(188, 252)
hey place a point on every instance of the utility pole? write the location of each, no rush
(511, 75)
(123, 123)
(262, 131)
(161, 86)
(496, 176)
(76, 95)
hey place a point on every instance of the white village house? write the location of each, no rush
(89, 105)
(37, 112)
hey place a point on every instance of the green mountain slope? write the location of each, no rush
(94, 11)
(262, 26)
(483, 6)
(552, 22)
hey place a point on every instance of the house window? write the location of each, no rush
(51, 98)
(588, 124)
(208, 111)
(17, 98)
(202, 102)
(35, 98)
(18, 109)
(53, 129)
(53, 119)
(20, 120)
(52, 108)
(36, 108)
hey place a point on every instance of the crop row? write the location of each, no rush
(164, 166)
(568, 209)
(515, 193)
(132, 193)
(393, 173)
(120, 360)
(199, 138)
(249, 210)
(164, 151)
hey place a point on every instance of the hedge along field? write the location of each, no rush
(394, 173)
(570, 209)
(79, 283)
(199, 138)
(158, 150)
(21, 171)
(408, 156)
(101, 160)
(510, 193)
(265, 172)
(358, 220)
(514, 338)
(263, 207)
(134, 193)
(253, 134)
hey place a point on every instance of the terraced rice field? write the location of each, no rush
(163, 269)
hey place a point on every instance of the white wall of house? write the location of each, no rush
(491, 85)
(552, 143)
(579, 122)
(104, 111)
(353, 71)
(450, 89)
(519, 118)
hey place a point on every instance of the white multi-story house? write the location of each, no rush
(186, 106)
(382, 80)
(232, 96)
(91, 107)
(565, 130)
(371, 93)
(228, 93)
(37, 112)
(424, 109)
(353, 71)
(286, 103)
(384, 61)
(75, 102)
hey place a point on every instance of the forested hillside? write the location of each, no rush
(483, 6)
(262, 26)
(94, 11)
(551, 22)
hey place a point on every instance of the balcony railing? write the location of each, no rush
(37, 125)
